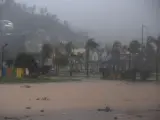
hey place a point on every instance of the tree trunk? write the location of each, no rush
(57, 69)
(157, 67)
(87, 62)
(70, 71)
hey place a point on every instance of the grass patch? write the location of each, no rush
(37, 80)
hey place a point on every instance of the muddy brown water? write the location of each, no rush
(80, 100)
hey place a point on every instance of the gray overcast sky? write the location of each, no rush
(107, 19)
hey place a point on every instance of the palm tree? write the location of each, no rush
(151, 58)
(153, 54)
(116, 49)
(91, 44)
(134, 46)
(158, 57)
(80, 59)
(46, 52)
(69, 47)
(59, 59)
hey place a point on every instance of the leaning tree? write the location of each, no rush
(90, 44)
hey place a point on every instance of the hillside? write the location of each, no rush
(27, 22)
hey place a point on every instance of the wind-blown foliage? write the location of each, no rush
(134, 46)
(24, 60)
(116, 49)
(91, 44)
(69, 47)
(59, 59)
(47, 51)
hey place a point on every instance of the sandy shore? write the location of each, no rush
(80, 101)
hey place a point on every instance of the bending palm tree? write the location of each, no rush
(69, 47)
(46, 52)
(91, 44)
(134, 46)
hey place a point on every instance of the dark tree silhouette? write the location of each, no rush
(47, 51)
(59, 59)
(116, 49)
(24, 60)
(134, 46)
(69, 47)
(91, 44)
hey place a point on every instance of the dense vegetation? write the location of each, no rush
(36, 26)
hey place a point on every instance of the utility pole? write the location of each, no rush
(157, 69)
(87, 61)
(157, 62)
(142, 34)
(2, 55)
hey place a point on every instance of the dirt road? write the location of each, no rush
(80, 101)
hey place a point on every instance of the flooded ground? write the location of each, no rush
(80, 101)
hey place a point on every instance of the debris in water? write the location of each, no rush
(26, 86)
(38, 99)
(107, 109)
(140, 116)
(11, 118)
(43, 98)
(28, 108)
(26, 116)
(41, 110)
(115, 118)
